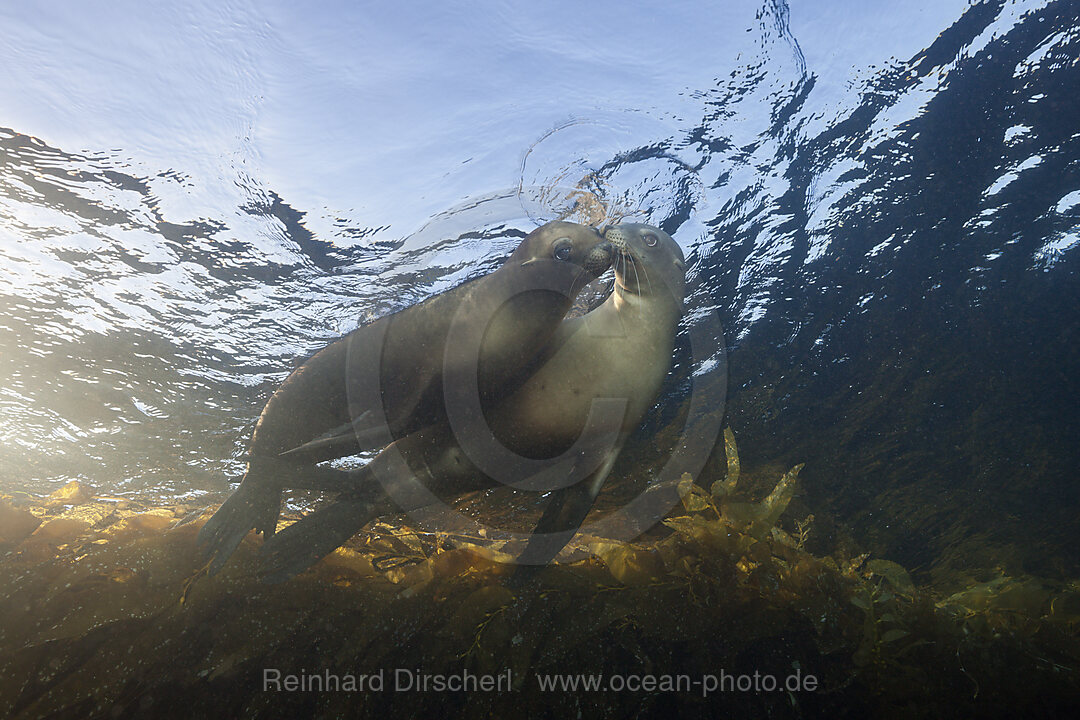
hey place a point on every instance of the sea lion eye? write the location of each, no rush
(650, 239)
(563, 250)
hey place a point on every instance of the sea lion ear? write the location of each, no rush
(680, 264)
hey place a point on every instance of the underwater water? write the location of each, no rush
(879, 203)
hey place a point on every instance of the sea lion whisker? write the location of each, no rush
(622, 264)
(637, 278)
(648, 282)
(577, 278)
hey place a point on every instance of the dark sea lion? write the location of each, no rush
(544, 435)
(324, 409)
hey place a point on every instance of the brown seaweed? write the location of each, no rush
(106, 611)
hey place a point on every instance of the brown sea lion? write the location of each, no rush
(326, 408)
(548, 434)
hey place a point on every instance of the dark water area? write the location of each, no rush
(925, 368)
(889, 240)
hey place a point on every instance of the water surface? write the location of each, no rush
(880, 202)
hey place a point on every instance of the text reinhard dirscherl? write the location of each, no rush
(404, 680)
(410, 680)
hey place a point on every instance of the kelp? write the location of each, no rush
(106, 610)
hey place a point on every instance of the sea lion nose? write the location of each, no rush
(600, 257)
(614, 235)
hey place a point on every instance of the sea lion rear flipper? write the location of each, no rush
(560, 521)
(365, 496)
(305, 542)
(252, 506)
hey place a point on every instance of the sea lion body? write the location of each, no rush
(622, 350)
(320, 411)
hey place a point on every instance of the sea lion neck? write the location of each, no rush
(660, 300)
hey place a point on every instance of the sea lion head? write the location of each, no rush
(570, 255)
(648, 260)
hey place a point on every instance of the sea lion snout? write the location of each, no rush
(618, 237)
(645, 256)
(599, 259)
(636, 239)
(613, 234)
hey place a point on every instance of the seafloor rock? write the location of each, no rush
(15, 525)
(73, 493)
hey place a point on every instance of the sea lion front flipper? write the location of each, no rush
(561, 520)
(339, 439)
(363, 433)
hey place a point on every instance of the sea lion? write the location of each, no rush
(325, 409)
(544, 435)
